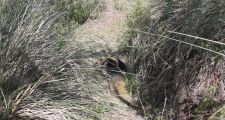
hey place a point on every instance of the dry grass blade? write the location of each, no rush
(26, 92)
(3, 97)
(191, 44)
(213, 116)
(21, 96)
(196, 37)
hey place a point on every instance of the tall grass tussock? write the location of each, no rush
(33, 43)
(177, 51)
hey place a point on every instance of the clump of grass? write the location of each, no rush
(130, 83)
(132, 22)
(167, 60)
(118, 5)
(81, 10)
(207, 99)
(34, 51)
(78, 13)
(28, 39)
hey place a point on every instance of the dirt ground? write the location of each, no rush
(104, 35)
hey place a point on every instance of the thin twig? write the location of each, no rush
(142, 106)
(164, 106)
